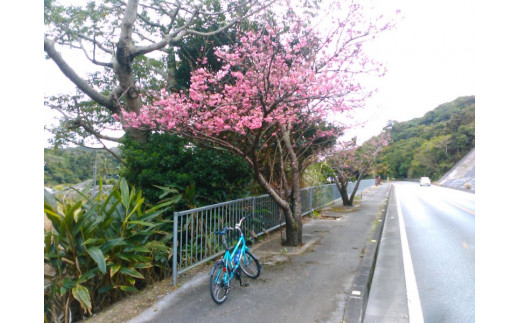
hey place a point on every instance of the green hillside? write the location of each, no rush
(431, 145)
(74, 165)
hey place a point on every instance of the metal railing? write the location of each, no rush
(194, 242)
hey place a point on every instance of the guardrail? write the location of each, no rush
(194, 242)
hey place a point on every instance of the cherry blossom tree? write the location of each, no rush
(352, 162)
(282, 90)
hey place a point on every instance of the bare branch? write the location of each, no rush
(93, 59)
(76, 79)
(96, 43)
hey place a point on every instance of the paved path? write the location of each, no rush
(297, 284)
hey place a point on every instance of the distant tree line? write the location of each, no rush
(74, 165)
(431, 145)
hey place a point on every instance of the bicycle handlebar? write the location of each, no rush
(237, 227)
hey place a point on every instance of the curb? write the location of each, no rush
(357, 297)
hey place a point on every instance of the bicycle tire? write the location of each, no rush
(217, 287)
(250, 265)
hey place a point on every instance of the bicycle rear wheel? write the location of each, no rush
(250, 265)
(217, 285)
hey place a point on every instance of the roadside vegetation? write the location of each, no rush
(101, 247)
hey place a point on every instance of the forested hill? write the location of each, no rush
(74, 165)
(431, 145)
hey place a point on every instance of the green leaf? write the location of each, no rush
(49, 198)
(128, 288)
(114, 269)
(130, 280)
(147, 224)
(90, 241)
(88, 275)
(165, 204)
(141, 249)
(82, 295)
(125, 193)
(82, 222)
(68, 283)
(136, 207)
(97, 255)
(113, 243)
(131, 272)
(143, 265)
(104, 289)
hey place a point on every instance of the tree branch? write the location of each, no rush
(76, 79)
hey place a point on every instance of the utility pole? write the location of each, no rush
(95, 168)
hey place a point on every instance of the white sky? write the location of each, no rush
(429, 57)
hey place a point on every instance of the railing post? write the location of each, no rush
(252, 223)
(175, 217)
(311, 189)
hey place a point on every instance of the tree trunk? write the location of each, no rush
(122, 64)
(342, 185)
(294, 231)
(344, 195)
(361, 174)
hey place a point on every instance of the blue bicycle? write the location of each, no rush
(232, 264)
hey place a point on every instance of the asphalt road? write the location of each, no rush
(427, 272)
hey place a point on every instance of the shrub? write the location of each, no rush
(102, 247)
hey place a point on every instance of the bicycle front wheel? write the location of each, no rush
(250, 265)
(217, 283)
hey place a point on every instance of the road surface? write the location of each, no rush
(426, 264)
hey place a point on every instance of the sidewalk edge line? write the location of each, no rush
(412, 293)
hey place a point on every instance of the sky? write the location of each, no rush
(429, 57)
(430, 60)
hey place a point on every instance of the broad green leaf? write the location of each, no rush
(132, 257)
(91, 240)
(140, 249)
(98, 257)
(68, 283)
(88, 275)
(52, 213)
(49, 198)
(143, 265)
(130, 280)
(82, 295)
(165, 204)
(128, 288)
(125, 256)
(114, 269)
(82, 222)
(125, 193)
(110, 197)
(131, 272)
(104, 289)
(147, 224)
(108, 245)
(137, 206)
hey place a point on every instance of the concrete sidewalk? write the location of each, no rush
(325, 280)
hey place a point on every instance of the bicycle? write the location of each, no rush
(232, 264)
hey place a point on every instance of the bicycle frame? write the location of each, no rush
(231, 267)
(235, 262)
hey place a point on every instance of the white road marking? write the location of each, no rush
(412, 293)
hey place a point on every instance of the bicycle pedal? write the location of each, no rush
(244, 284)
